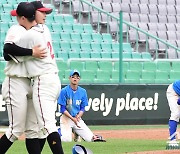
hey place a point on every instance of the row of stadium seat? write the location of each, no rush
(131, 76)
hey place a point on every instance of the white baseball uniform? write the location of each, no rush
(44, 72)
(17, 93)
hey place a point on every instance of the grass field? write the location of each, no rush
(112, 146)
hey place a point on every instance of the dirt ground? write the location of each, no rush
(148, 134)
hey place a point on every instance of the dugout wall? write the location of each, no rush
(120, 104)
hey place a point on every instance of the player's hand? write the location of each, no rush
(39, 52)
(178, 102)
(76, 122)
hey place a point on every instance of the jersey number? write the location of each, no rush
(50, 49)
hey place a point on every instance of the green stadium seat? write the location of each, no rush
(78, 28)
(105, 54)
(91, 65)
(146, 55)
(164, 66)
(125, 66)
(107, 37)
(86, 37)
(68, 19)
(12, 2)
(65, 36)
(127, 47)
(96, 37)
(175, 65)
(73, 55)
(2, 76)
(106, 47)
(132, 76)
(55, 36)
(49, 25)
(62, 65)
(162, 77)
(96, 47)
(115, 54)
(64, 55)
(95, 54)
(56, 46)
(174, 75)
(105, 65)
(102, 77)
(61, 74)
(85, 47)
(65, 80)
(50, 18)
(67, 27)
(76, 37)
(58, 18)
(75, 46)
(135, 65)
(87, 76)
(127, 55)
(147, 76)
(149, 66)
(87, 28)
(136, 55)
(115, 76)
(115, 46)
(2, 65)
(6, 17)
(65, 46)
(4, 26)
(56, 27)
(7, 8)
(79, 65)
(84, 54)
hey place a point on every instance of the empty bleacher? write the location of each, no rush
(79, 45)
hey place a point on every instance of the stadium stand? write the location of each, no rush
(80, 44)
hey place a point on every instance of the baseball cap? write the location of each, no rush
(74, 72)
(25, 9)
(40, 7)
(80, 149)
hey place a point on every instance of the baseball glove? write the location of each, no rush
(98, 138)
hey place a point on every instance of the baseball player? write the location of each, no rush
(173, 97)
(17, 92)
(49, 70)
(46, 85)
(73, 100)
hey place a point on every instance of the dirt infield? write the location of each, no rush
(148, 134)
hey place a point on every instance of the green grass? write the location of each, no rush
(112, 146)
(126, 127)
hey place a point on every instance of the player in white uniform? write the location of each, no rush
(46, 84)
(17, 93)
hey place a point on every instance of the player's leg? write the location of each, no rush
(34, 145)
(175, 110)
(14, 94)
(66, 128)
(84, 131)
(46, 89)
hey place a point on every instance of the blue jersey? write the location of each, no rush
(176, 87)
(73, 100)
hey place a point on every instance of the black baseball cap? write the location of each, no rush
(25, 9)
(40, 7)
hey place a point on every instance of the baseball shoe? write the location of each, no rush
(172, 145)
(77, 138)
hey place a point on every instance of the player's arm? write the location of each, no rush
(13, 49)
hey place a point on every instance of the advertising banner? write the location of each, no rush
(120, 104)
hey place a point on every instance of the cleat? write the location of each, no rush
(172, 145)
